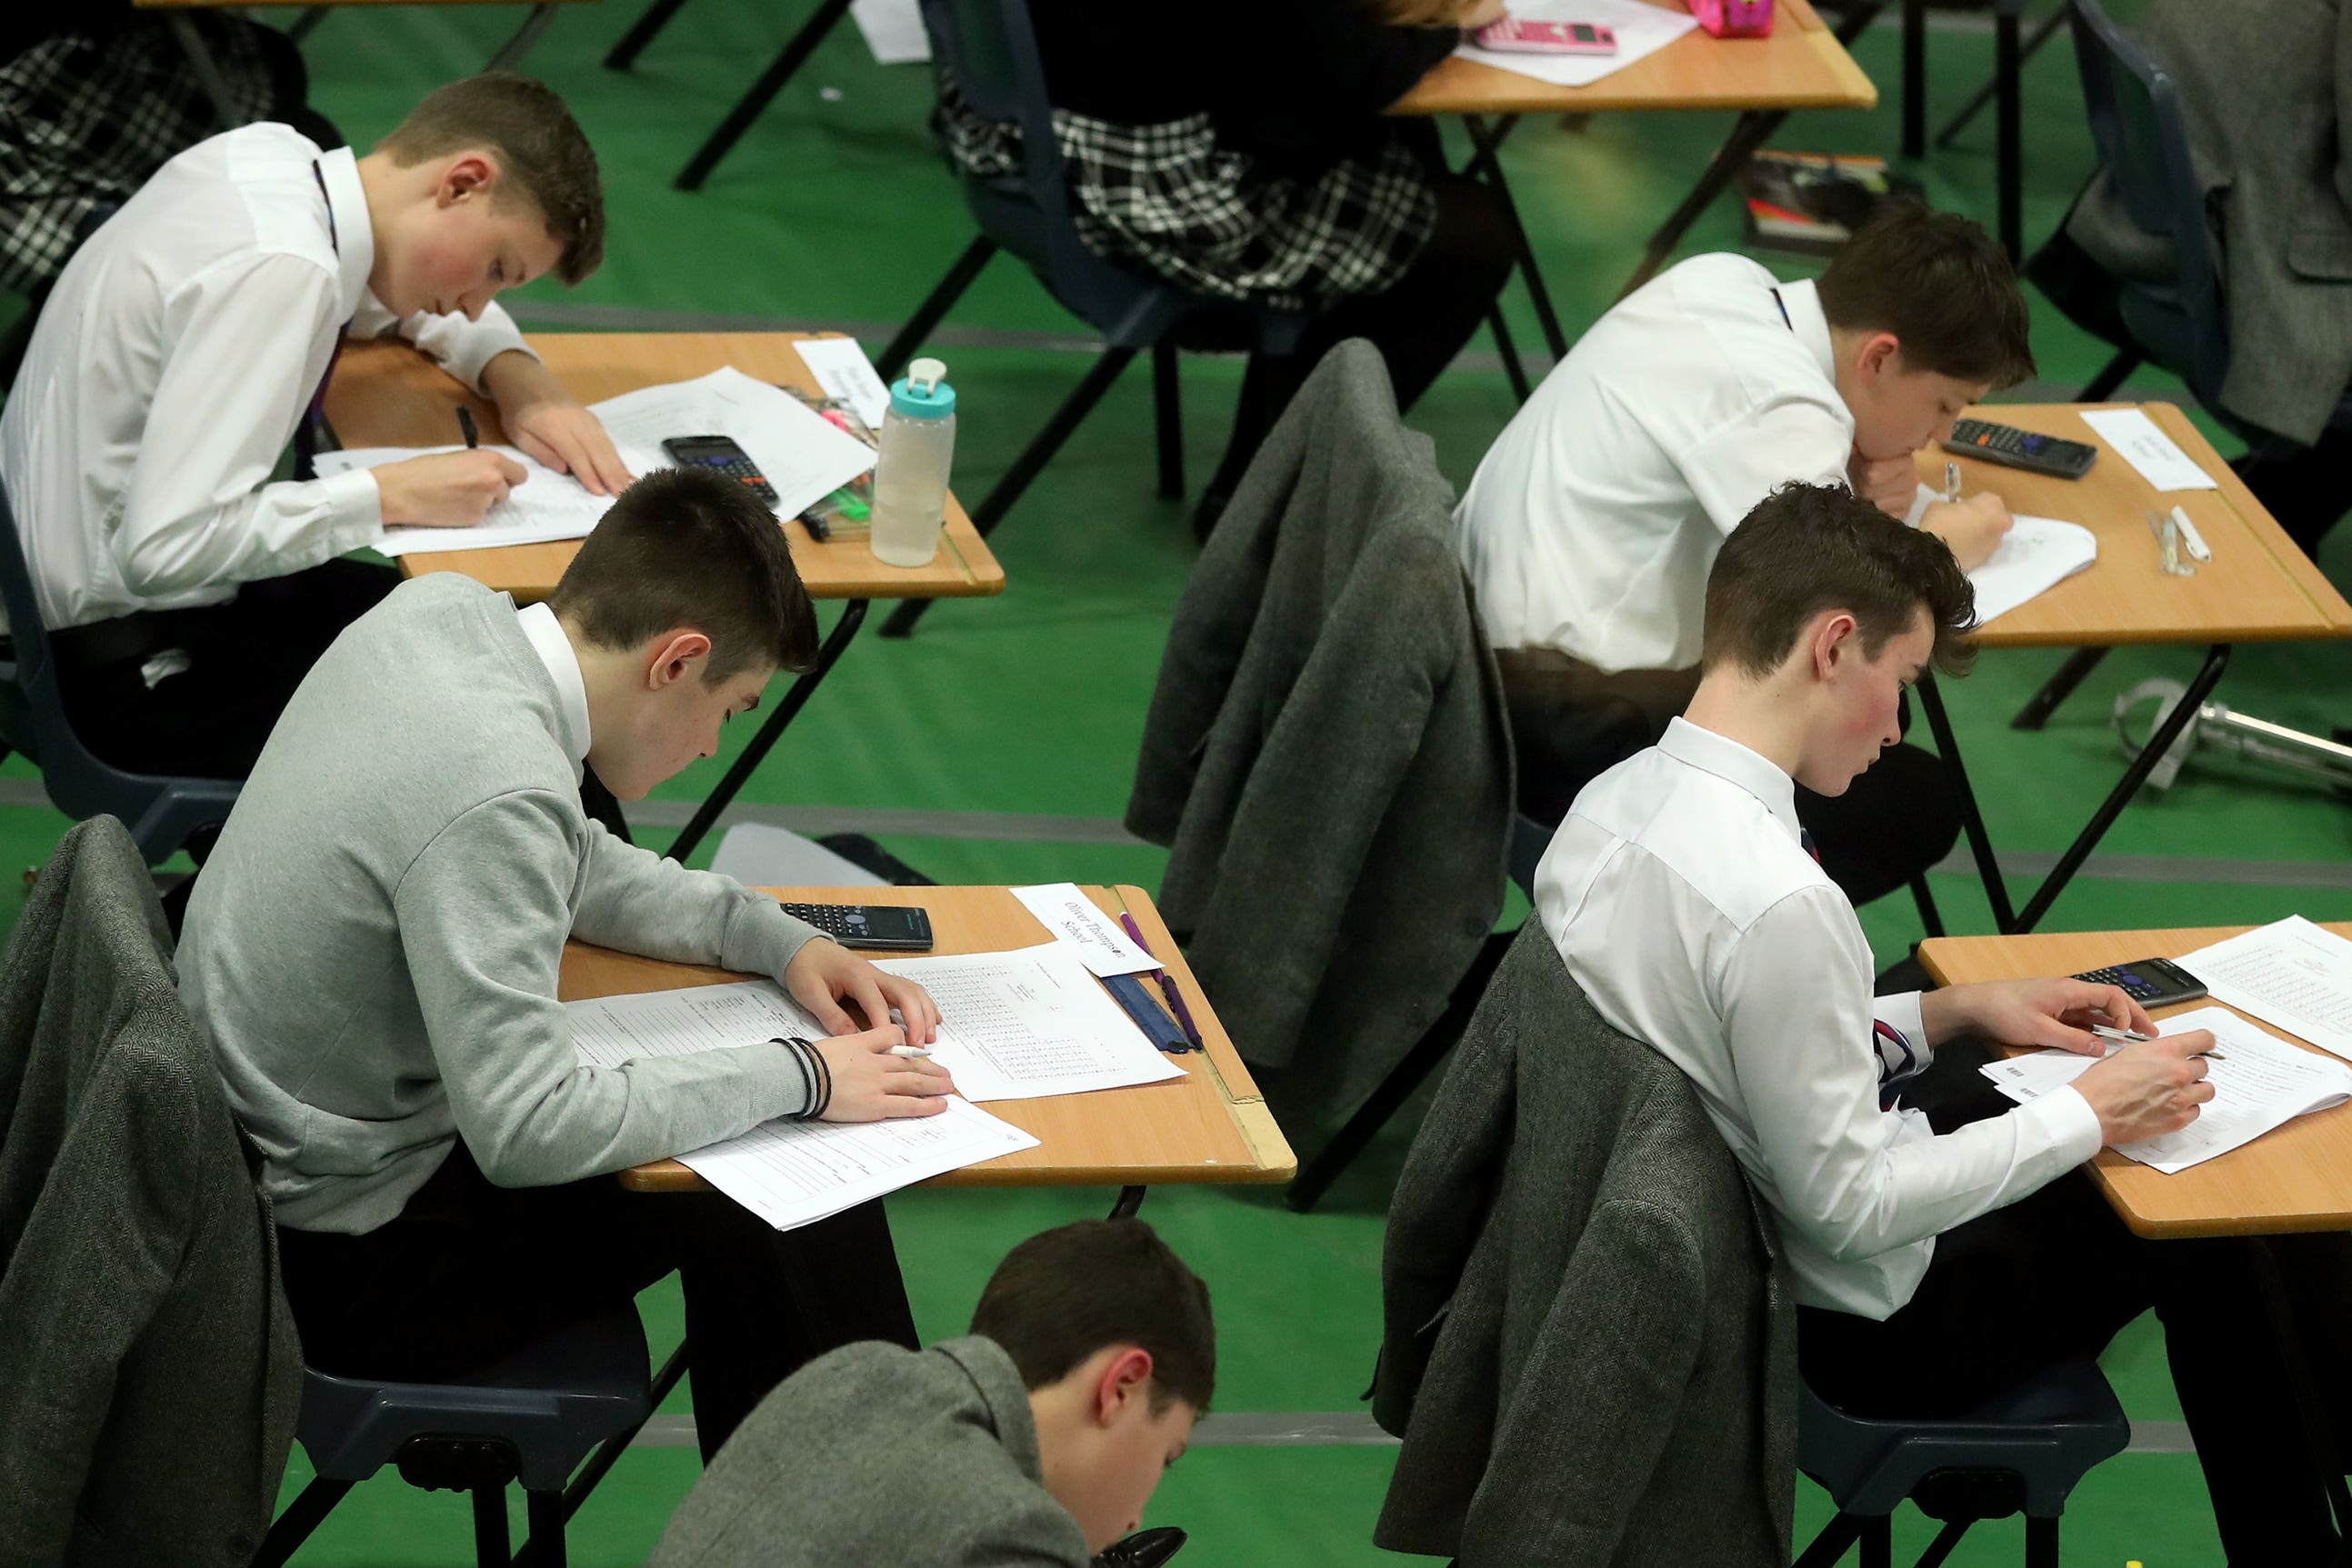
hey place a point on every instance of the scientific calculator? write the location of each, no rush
(2150, 982)
(885, 926)
(724, 458)
(2026, 449)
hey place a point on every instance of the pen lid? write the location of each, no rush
(923, 392)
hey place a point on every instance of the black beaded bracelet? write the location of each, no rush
(816, 1079)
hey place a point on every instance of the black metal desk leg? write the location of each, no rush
(1485, 163)
(1508, 351)
(658, 14)
(2217, 659)
(207, 70)
(1940, 725)
(1746, 136)
(1915, 79)
(308, 22)
(542, 15)
(747, 108)
(1131, 1199)
(2057, 688)
(853, 615)
(2008, 68)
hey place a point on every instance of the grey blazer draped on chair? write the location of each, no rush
(1326, 754)
(149, 1369)
(1589, 1347)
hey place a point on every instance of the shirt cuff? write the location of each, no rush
(354, 510)
(1900, 1011)
(2066, 1122)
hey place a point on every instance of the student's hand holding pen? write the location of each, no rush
(446, 489)
(867, 1081)
(2150, 1089)
(823, 976)
(1973, 528)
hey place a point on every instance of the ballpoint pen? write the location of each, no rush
(466, 427)
(1951, 481)
(2133, 1037)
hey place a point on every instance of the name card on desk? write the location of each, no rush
(2146, 447)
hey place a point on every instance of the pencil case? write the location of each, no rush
(1734, 18)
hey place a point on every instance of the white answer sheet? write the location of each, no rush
(796, 1173)
(1642, 30)
(609, 1030)
(2035, 556)
(2290, 973)
(2259, 1083)
(802, 456)
(1029, 1023)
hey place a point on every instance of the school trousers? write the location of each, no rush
(469, 1271)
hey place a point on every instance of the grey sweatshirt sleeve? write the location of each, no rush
(483, 913)
(638, 901)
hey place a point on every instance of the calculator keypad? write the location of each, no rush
(835, 920)
(743, 471)
(2134, 985)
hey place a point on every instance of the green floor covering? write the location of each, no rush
(835, 209)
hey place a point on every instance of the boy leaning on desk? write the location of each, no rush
(185, 590)
(372, 951)
(1939, 1256)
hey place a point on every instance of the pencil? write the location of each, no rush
(1167, 984)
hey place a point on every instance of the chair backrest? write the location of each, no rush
(160, 811)
(2136, 121)
(989, 46)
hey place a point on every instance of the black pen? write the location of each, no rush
(465, 424)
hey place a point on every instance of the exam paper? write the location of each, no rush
(2259, 1083)
(2290, 973)
(793, 1174)
(803, 457)
(1028, 1023)
(2146, 447)
(1642, 30)
(2035, 556)
(1094, 936)
(609, 1030)
(545, 506)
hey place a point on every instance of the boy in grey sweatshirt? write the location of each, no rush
(372, 951)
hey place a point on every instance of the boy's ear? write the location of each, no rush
(675, 655)
(1125, 1378)
(467, 175)
(1880, 354)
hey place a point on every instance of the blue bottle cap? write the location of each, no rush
(923, 392)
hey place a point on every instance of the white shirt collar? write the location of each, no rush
(1727, 759)
(355, 235)
(555, 650)
(1806, 318)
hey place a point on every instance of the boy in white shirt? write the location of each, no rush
(1590, 525)
(1936, 1265)
(187, 593)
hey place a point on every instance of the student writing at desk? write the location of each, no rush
(372, 951)
(1936, 1264)
(186, 591)
(1588, 529)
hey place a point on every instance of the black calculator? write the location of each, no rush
(722, 457)
(2150, 982)
(889, 927)
(2026, 449)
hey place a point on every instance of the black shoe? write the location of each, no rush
(1144, 1548)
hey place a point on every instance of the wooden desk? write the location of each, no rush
(2296, 1178)
(384, 393)
(1802, 64)
(1210, 1126)
(2257, 588)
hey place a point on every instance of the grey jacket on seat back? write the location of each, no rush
(1589, 1347)
(149, 1370)
(882, 1456)
(1326, 754)
(2267, 91)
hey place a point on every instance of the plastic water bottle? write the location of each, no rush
(910, 473)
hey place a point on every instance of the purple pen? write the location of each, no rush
(1167, 983)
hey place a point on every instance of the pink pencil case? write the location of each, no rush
(1734, 18)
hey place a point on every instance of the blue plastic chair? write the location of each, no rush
(2022, 1452)
(991, 49)
(534, 1417)
(162, 813)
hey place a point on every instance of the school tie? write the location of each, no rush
(314, 414)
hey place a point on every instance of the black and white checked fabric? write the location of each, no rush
(85, 117)
(1169, 199)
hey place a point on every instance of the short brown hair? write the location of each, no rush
(1940, 285)
(1806, 549)
(540, 150)
(683, 546)
(1063, 1294)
